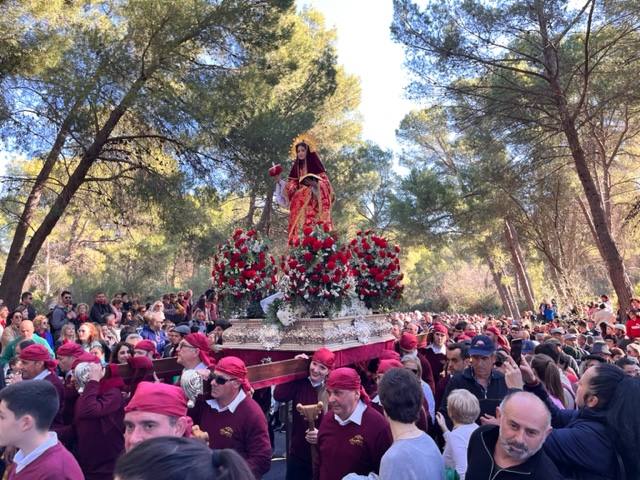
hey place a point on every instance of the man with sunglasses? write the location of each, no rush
(232, 418)
(26, 300)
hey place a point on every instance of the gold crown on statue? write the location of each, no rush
(303, 138)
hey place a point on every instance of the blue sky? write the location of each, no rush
(365, 49)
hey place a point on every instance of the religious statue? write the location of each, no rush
(307, 192)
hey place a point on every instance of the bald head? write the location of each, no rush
(27, 329)
(529, 404)
(525, 423)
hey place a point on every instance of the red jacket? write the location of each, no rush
(633, 328)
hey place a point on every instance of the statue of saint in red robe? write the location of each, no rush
(309, 192)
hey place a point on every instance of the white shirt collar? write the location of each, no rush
(355, 417)
(376, 400)
(315, 384)
(213, 403)
(22, 461)
(436, 349)
(42, 375)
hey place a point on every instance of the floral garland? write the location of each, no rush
(376, 267)
(317, 277)
(244, 272)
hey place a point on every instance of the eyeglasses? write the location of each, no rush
(186, 345)
(220, 380)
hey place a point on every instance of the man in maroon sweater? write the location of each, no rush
(26, 412)
(67, 353)
(436, 352)
(354, 438)
(232, 418)
(156, 410)
(409, 348)
(36, 364)
(98, 422)
(307, 391)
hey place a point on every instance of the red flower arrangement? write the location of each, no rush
(317, 271)
(244, 272)
(376, 269)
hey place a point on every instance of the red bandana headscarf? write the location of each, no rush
(386, 365)
(162, 399)
(440, 328)
(85, 357)
(408, 342)
(234, 367)
(37, 353)
(147, 346)
(70, 349)
(324, 356)
(347, 379)
(201, 342)
(158, 398)
(389, 355)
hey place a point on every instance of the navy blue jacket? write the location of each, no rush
(579, 443)
(489, 398)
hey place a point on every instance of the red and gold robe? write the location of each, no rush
(308, 206)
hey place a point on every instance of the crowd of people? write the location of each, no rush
(455, 396)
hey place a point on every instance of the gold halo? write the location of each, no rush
(307, 138)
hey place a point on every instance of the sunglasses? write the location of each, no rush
(220, 380)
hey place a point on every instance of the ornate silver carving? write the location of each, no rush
(192, 384)
(359, 329)
(81, 374)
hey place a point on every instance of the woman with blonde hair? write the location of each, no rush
(41, 328)
(67, 334)
(413, 364)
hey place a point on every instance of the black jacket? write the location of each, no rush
(481, 465)
(98, 310)
(489, 398)
(579, 444)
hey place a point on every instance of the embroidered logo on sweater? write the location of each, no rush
(357, 440)
(226, 432)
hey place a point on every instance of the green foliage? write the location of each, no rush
(212, 93)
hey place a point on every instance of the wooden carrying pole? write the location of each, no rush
(260, 376)
(311, 413)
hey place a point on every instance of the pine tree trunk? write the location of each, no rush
(515, 311)
(608, 247)
(264, 224)
(511, 237)
(18, 267)
(497, 280)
